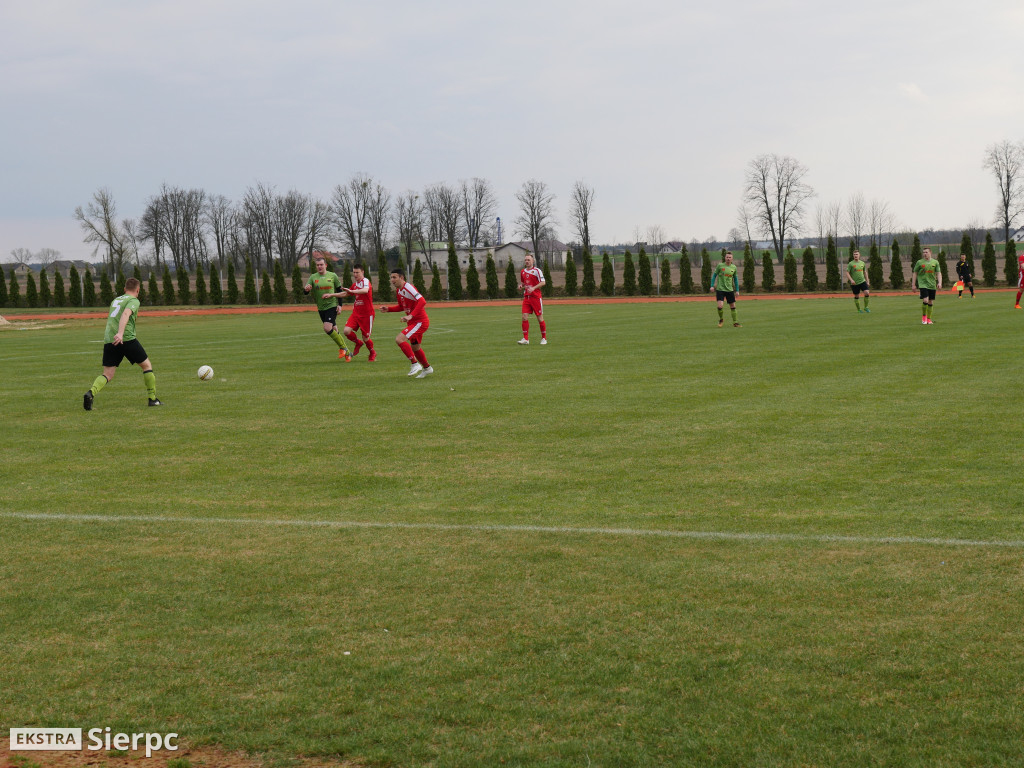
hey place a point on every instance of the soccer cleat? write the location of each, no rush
(736, 325)
(1016, 306)
(373, 356)
(924, 321)
(344, 355)
(867, 310)
(543, 342)
(930, 321)
(523, 341)
(153, 402)
(859, 311)
(425, 372)
(416, 368)
(87, 400)
(721, 323)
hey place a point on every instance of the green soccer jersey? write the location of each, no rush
(725, 277)
(118, 307)
(321, 284)
(856, 269)
(926, 270)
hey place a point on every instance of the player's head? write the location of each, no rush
(728, 257)
(397, 277)
(963, 257)
(321, 264)
(528, 261)
(856, 254)
(926, 253)
(131, 285)
(357, 270)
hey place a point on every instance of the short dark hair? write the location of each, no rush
(319, 258)
(131, 283)
(359, 265)
(398, 271)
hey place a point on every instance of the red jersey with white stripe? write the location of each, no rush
(531, 277)
(411, 302)
(363, 302)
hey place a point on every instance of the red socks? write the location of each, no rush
(422, 358)
(543, 330)
(526, 329)
(1019, 295)
(406, 348)
(369, 344)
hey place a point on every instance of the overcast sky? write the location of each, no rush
(657, 105)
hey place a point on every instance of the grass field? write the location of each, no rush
(651, 542)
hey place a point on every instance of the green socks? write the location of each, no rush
(733, 315)
(856, 303)
(149, 378)
(866, 298)
(721, 314)
(929, 311)
(337, 338)
(100, 383)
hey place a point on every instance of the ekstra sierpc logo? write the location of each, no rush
(59, 739)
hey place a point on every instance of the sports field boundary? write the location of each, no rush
(511, 303)
(808, 538)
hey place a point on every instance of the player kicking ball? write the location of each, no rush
(412, 303)
(531, 280)
(361, 318)
(326, 287)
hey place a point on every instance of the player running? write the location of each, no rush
(531, 280)
(858, 282)
(1020, 280)
(963, 272)
(119, 342)
(327, 286)
(412, 303)
(727, 288)
(362, 312)
(927, 279)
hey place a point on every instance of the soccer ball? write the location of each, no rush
(205, 373)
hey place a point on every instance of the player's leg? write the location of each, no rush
(149, 379)
(526, 323)
(867, 297)
(368, 340)
(350, 333)
(112, 357)
(1020, 290)
(404, 344)
(856, 297)
(721, 312)
(543, 328)
(421, 358)
(735, 317)
(970, 284)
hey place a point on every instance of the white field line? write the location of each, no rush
(544, 529)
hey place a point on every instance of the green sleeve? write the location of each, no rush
(309, 280)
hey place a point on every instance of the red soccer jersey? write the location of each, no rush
(363, 306)
(1020, 262)
(528, 277)
(411, 302)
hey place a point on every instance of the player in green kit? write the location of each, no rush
(727, 288)
(928, 279)
(858, 282)
(326, 286)
(119, 342)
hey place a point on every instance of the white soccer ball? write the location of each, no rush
(205, 373)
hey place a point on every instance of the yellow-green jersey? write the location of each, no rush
(926, 271)
(118, 307)
(322, 284)
(724, 278)
(856, 269)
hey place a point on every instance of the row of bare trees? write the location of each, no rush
(188, 228)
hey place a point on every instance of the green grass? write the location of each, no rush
(476, 645)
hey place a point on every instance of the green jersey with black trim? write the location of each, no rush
(321, 284)
(118, 307)
(926, 270)
(856, 269)
(725, 277)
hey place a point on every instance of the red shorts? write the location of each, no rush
(415, 330)
(364, 324)
(533, 304)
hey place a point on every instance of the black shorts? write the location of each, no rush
(927, 293)
(113, 354)
(329, 315)
(729, 296)
(858, 288)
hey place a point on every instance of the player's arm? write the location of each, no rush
(386, 308)
(714, 279)
(356, 291)
(125, 317)
(308, 285)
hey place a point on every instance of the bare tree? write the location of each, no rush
(258, 215)
(21, 255)
(580, 206)
(291, 214)
(856, 219)
(821, 225)
(351, 208)
(318, 226)
(536, 212)
(380, 207)
(447, 211)
(132, 239)
(478, 206)
(408, 218)
(46, 256)
(656, 237)
(1006, 162)
(180, 213)
(881, 221)
(222, 221)
(745, 221)
(776, 192)
(151, 229)
(99, 222)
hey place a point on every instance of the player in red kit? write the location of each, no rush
(531, 280)
(1020, 280)
(362, 312)
(412, 303)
